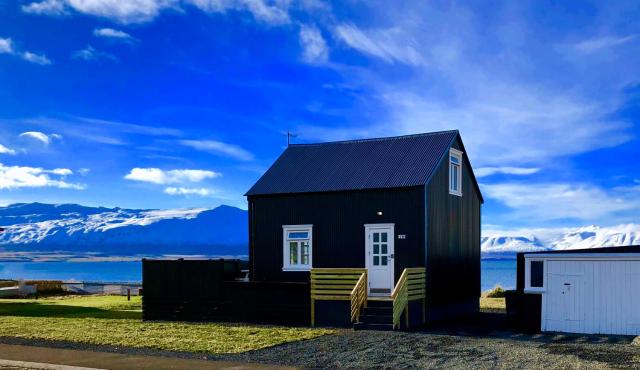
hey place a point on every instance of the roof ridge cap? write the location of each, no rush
(384, 138)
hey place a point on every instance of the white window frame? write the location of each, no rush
(286, 263)
(527, 276)
(458, 154)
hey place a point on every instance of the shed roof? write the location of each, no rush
(600, 250)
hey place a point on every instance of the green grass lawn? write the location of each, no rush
(112, 320)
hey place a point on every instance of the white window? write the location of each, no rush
(534, 275)
(297, 247)
(455, 172)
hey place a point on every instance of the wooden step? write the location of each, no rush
(379, 303)
(376, 319)
(376, 311)
(365, 326)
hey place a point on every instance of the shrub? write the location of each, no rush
(496, 292)
(47, 286)
(8, 283)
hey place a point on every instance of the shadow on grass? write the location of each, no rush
(34, 309)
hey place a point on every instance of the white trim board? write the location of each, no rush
(581, 256)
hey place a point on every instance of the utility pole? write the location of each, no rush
(289, 136)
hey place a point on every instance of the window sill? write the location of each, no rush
(307, 268)
(454, 193)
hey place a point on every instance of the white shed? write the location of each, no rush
(593, 293)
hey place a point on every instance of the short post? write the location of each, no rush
(406, 315)
(424, 310)
(36, 286)
(128, 294)
(313, 312)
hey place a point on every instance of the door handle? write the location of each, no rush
(391, 256)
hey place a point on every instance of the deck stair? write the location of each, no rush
(377, 315)
(373, 313)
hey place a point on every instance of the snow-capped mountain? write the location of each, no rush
(507, 243)
(43, 228)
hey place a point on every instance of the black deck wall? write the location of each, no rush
(453, 244)
(338, 220)
(205, 290)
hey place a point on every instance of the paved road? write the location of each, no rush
(115, 361)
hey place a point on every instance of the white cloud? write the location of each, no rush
(6, 46)
(61, 171)
(516, 102)
(84, 171)
(140, 11)
(203, 192)
(113, 34)
(219, 147)
(41, 136)
(488, 171)
(5, 150)
(48, 7)
(161, 177)
(274, 13)
(130, 11)
(501, 125)
(391, 45)
(556, 201)
(314, 46)
(13, 177)
(36, 58)
(91, 54)
(601, 43)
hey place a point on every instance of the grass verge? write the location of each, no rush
(112, 320)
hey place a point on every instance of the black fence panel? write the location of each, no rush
(207, 290)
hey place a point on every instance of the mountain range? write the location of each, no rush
(500, 243)
(46, 231)
(37, 231)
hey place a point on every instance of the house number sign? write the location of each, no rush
(402, 236)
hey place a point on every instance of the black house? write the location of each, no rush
(388, 223)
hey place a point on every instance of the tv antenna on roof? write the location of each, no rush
(289, 136)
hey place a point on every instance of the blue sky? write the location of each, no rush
(168, 103)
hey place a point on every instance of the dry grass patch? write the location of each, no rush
(493, 305)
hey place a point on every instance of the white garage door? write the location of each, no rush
(593, 296)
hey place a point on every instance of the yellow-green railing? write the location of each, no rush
(338, 284)
(410, 287)
(359, 297)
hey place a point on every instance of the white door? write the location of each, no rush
(379, 258)
(564, 298)
(594, 297)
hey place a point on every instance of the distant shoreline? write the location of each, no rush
(9, 257)
(40, 258)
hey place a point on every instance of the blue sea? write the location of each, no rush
(494, 272)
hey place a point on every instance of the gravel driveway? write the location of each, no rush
(481, 343)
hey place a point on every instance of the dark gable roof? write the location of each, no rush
(391, 162)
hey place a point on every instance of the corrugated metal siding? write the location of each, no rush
(402, 161)
(338, 220)
(453, 238)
